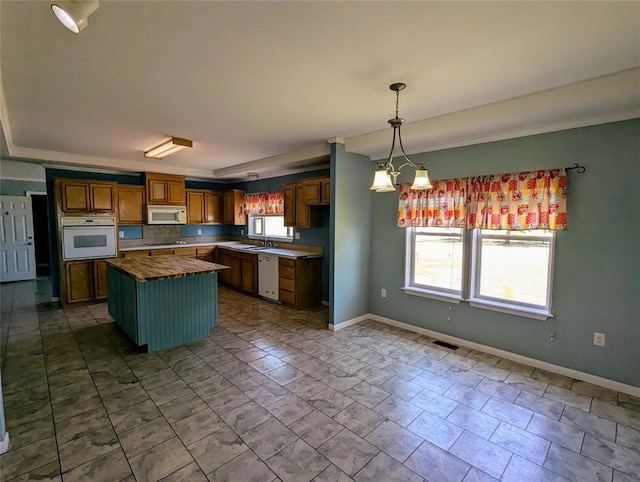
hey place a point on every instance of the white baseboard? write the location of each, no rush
(347, 323)
(569, 372)
(4, 444)
(325, 303)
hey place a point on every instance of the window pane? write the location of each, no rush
(515, 270)
(274, 226)
(438, 261)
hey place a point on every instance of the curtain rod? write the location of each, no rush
(580, 169)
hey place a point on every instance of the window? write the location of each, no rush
(509, 271)
(271, 227)
(513, 270)
(435, 262)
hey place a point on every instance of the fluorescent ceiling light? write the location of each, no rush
(174, 144)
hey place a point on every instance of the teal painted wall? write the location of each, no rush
(9, 187)
(597, 264)
(350, 234)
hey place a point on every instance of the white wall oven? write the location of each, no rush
(88, 237)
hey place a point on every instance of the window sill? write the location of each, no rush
(517, 310)
(435, 295)
(271, 238)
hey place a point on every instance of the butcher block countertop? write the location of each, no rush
(163, 267)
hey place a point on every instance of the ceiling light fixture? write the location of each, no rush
(386, 175)
(174, 144)
(74, 13)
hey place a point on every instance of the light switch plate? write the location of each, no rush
(121, 234)
(297, 236)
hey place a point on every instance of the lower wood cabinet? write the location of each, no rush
(242, 274)
(85, 280)
(207, 254)
(300, 282)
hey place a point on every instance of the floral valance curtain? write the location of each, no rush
(515, 201)
(261, 203)
(443, 205)
(518, 201)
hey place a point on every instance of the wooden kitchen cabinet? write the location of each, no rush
(203, 207)
(130, 204)
(165, 189)
(289, 193)
(213, 207)
(300, 282)
(100, 279)
(195, 207)
(325, 197)
(207, 253)
(86, 280)
(242, 274)
(223, 256)
(317, 191)
(186, 252)
(306, 215)
(297, 212)
(78, 196)
(233, 207)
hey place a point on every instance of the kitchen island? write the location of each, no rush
(163, 301)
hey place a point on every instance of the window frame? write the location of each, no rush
(253, 219)
(470, 276)
(530, 310)
(429, 291)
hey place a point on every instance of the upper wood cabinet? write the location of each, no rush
(233, 207)
(130, 204)
(300, 201)
(83, 196)
(165, 189)
(289, 191)
(325, 197)
(204, 207)
(317, 191)
(304, 215)
(213, 207)
(195, 207)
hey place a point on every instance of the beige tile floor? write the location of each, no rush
(273, 395)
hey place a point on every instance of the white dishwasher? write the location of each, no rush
(268, 276)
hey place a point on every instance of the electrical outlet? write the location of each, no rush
(199, 232)
(598, 339)
(242, 232)
(297, 236)
(383, 292)
(121, 234)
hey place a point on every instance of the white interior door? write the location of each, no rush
(17, 249)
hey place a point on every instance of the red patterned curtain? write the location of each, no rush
(518, 201)
(261, 203)
(443, 205)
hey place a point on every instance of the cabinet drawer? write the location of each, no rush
(288, 262)
(133, 254)
(160, 252)
(288, 297)
(287, 272)
(210, 251)
(188, 252)
(287, 284)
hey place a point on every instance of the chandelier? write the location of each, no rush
(386, 175)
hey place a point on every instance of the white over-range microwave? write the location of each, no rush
(166, 214)
(88, 237)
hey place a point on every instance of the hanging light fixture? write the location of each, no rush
(386, 175)
(74, 13)
(174, 144)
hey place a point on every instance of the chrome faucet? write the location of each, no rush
(266, 243)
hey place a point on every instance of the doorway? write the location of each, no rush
(41, 234)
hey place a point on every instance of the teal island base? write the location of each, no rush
(163, 313)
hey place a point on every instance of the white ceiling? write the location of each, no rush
(260, 86)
